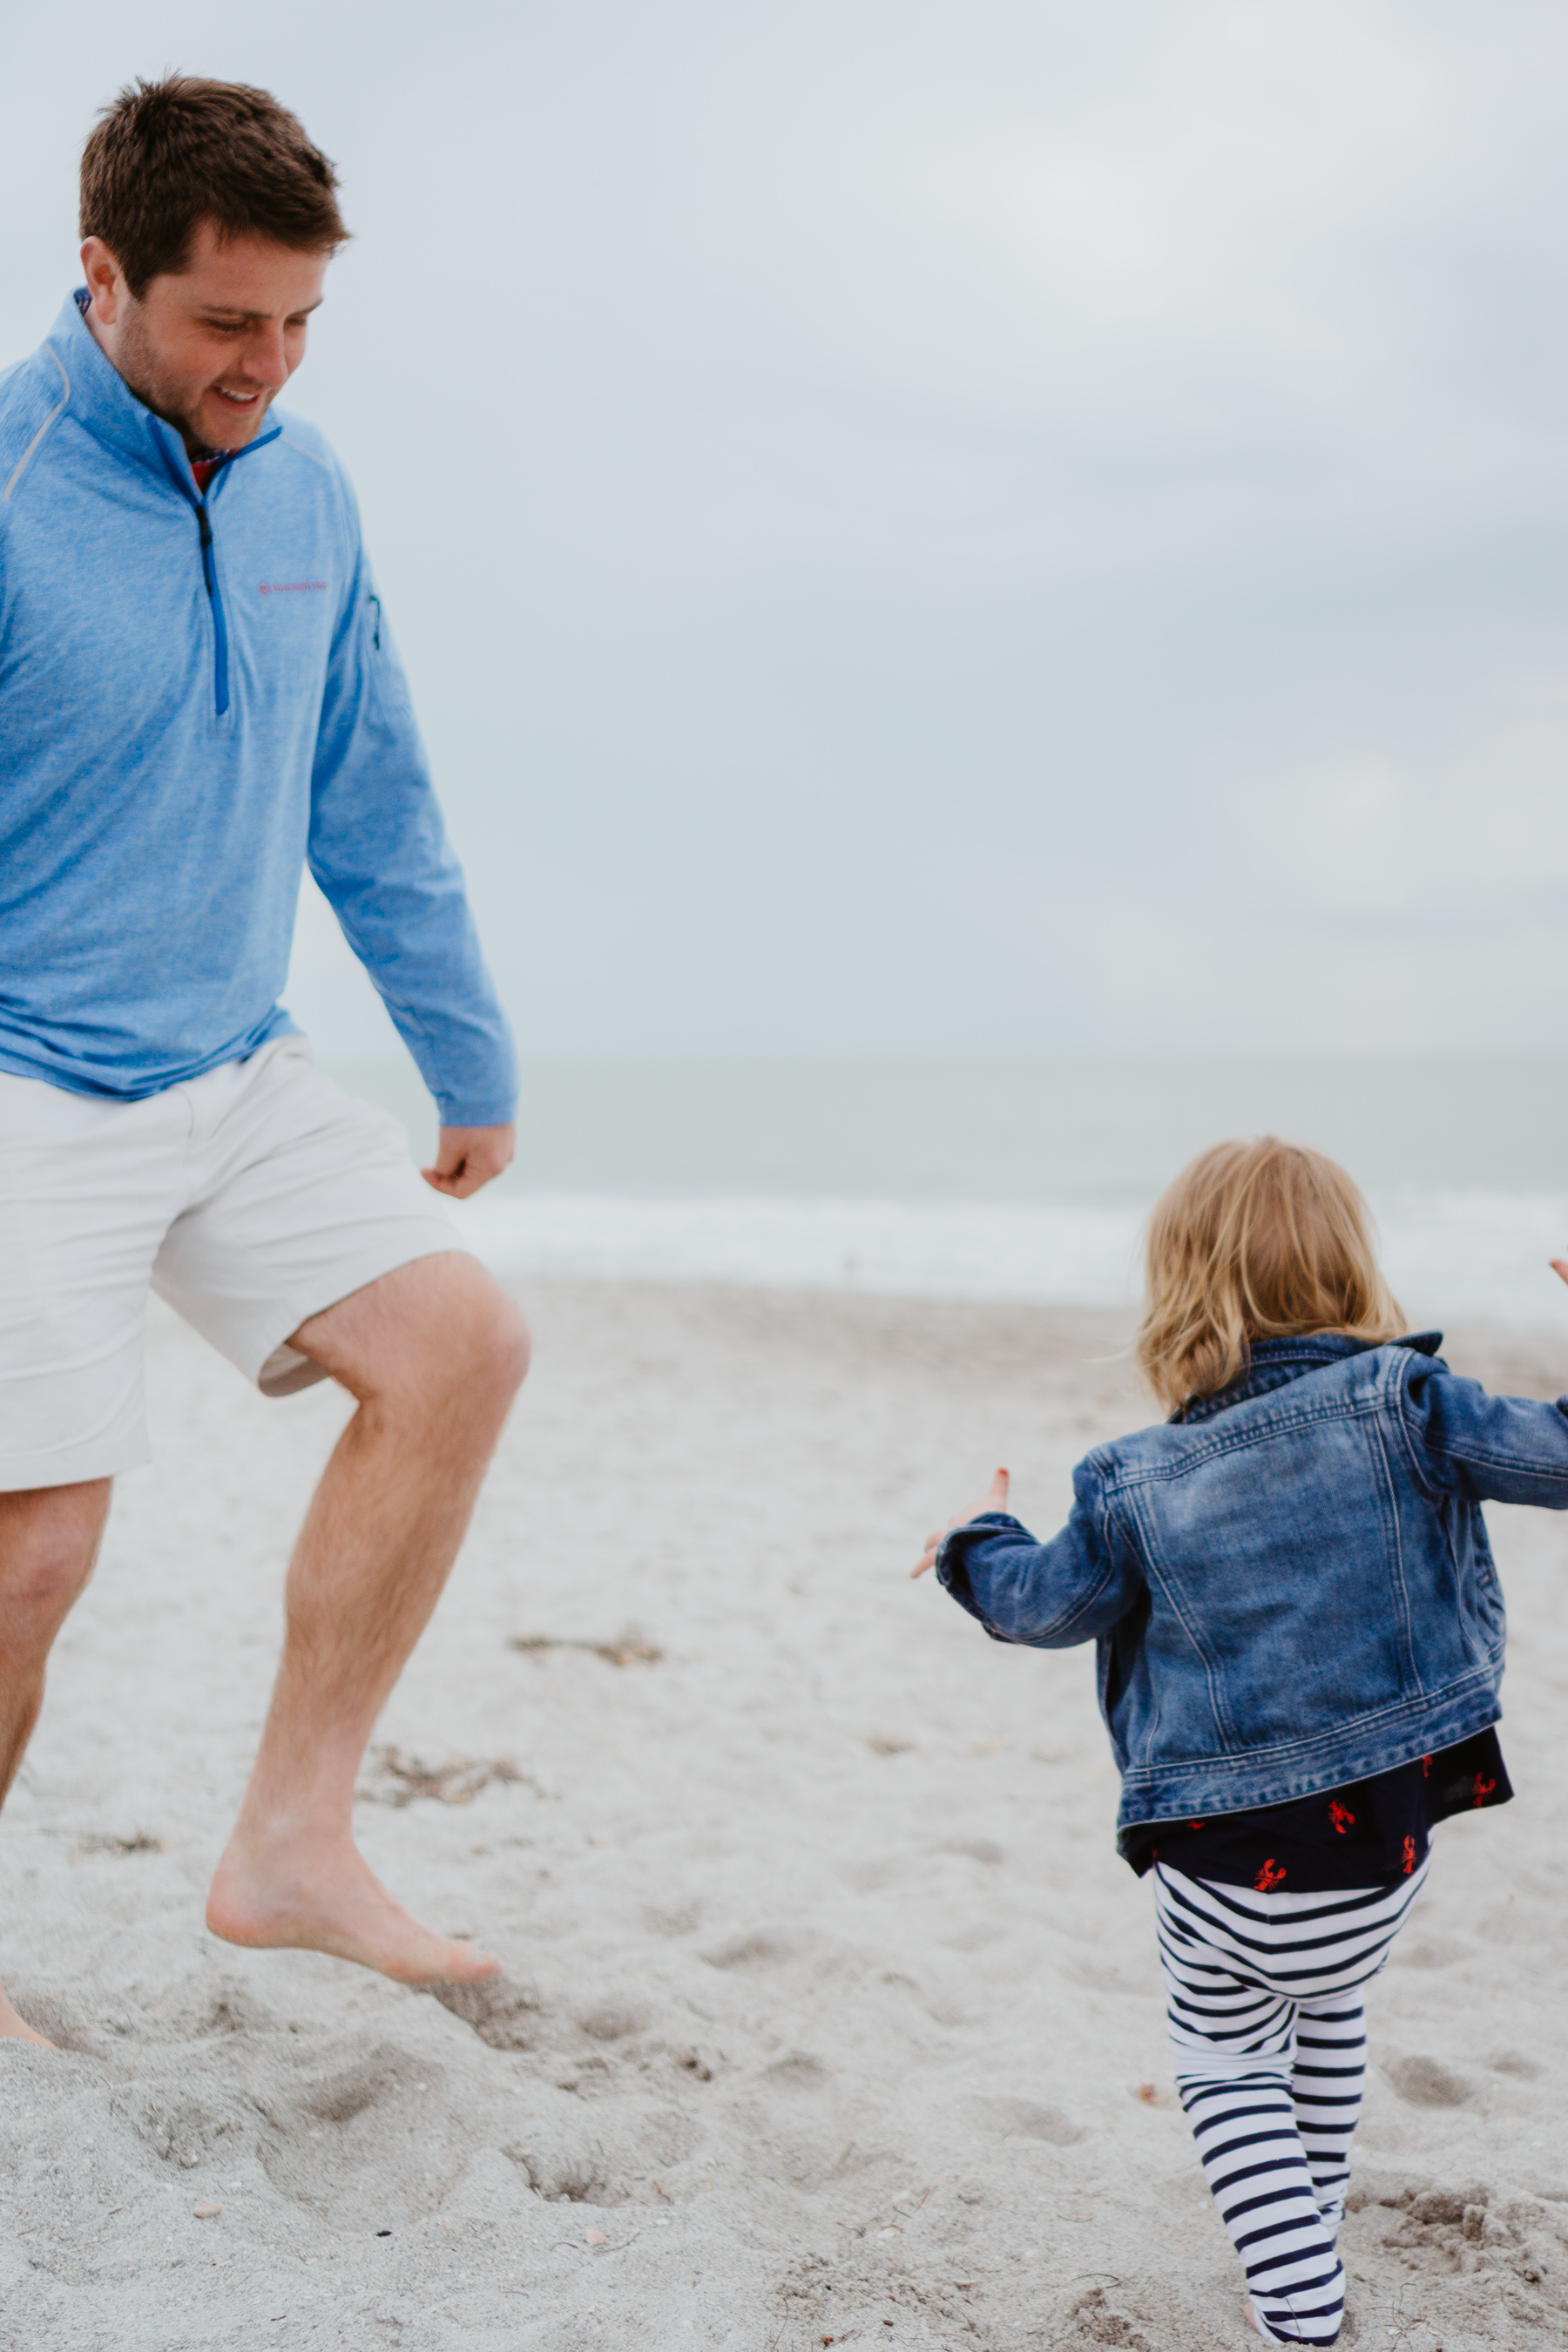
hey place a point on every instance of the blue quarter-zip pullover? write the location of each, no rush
(197, 697)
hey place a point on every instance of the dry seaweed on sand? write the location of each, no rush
(402, 1779)
(630, 1647)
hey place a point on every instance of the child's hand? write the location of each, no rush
(1560, 1269)
(996, 1499)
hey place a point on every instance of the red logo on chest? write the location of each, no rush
(288, 587)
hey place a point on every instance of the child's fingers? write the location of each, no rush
(995, 1500)
(1560, 1269)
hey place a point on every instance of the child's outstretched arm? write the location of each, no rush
(993, 1499)
(1050, 1595)
(1490, 1449)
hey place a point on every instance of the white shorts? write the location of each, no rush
(250, 1199)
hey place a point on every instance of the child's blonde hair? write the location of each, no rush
(1254, 1241)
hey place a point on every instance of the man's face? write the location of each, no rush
(208, 347)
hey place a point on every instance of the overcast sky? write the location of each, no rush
(920, 529)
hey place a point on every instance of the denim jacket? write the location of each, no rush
(1289, 1582)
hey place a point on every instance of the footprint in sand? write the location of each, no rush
(751, 1952)
(505, 2015)
(612, 2020)
(371, 2144)
(1423, 2083)
(1024, 2119)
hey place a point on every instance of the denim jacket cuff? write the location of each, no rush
(951, 1567)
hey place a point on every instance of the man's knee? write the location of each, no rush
(48, 1541)
(439, 1329)
(468, 1338)
(496, 1346)
(451, 1341)
(456, 1382)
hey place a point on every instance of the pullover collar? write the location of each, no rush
(104, 405)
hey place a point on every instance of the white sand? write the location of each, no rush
(830, 2000)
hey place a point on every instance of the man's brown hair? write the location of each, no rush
(169, 154)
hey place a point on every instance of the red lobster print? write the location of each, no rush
(1409, 1863)
(1270, 1876)
(1342, 1818)
(1483, 1789)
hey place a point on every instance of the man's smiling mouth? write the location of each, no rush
(240, 399)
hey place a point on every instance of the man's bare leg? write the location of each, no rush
(435, 1353)
(50, 1538)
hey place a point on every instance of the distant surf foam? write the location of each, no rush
(1452, 1256)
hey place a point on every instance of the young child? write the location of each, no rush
(1301, 1639)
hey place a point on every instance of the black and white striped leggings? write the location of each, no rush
(1265, 2017)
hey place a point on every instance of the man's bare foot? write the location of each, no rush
(319, 1895)
(16, 2029)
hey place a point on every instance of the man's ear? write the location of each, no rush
(105, 280)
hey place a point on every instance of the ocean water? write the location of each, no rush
(1452, 1257)
(1010, 1180)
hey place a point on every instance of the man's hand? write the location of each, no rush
(995, 1500)
(467, 1157)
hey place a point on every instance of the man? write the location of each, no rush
(198, 694)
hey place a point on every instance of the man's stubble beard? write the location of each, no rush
(138, 364)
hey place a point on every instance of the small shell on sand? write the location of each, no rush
(594, 2237)
(207, 2212)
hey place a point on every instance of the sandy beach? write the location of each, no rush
(829, 2013)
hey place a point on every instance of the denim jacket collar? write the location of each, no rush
(1273, 1362)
